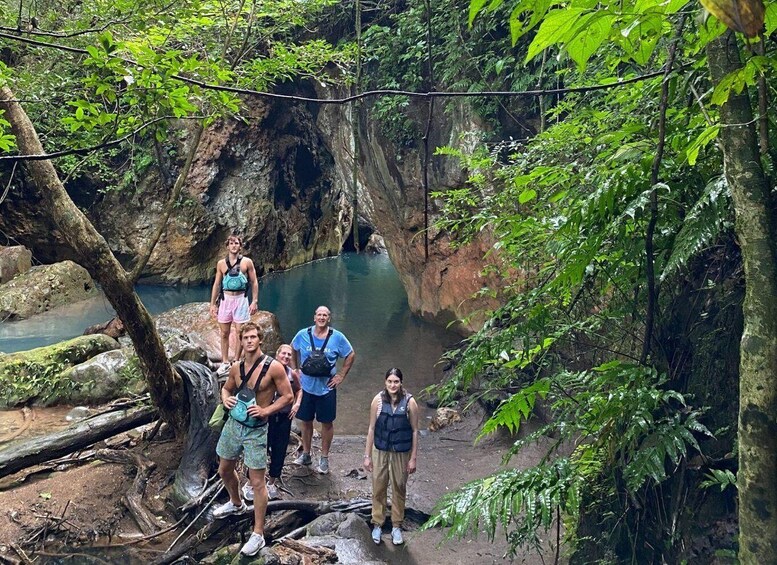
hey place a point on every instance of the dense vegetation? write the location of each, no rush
(610, 203)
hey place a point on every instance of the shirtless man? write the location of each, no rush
(230, 291)
(246, 429)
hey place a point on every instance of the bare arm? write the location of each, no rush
(216, 290)
(412, 414)
(296, 387)
(374, 406)
(228, 390)
(340, 375)
(294, 359)
(251, 272)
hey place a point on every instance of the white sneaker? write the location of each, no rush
(376, 534)
(253, 545)
(396, 536)
(228, 509)
(248, 492)
(223, 369)
(323, 465)
(303, 459)
(272, 491)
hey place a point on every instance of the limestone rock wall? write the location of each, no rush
(269, 178)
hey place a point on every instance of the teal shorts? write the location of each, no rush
(236, 438)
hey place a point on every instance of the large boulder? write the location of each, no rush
(193, 322)
(14, 261)
(42, 288)
(102, 378)
(36, 375)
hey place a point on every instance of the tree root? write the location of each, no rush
(133, 500)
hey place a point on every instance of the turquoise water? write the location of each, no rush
(367, 301)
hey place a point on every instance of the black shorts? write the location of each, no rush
(324, 408)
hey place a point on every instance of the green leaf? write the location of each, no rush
(589, 39)
(474, 8)
(770, 19)
(527, 195)
(701, 141)
(556, 28)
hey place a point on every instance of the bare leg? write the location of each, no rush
(327, 433)
(260, 498)
(231, 480)
(225, 341)
(307, 436)
(239, 346)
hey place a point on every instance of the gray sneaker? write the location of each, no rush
(396, 536)
(248, 492)
(228, 509)
(272, 491)
(376, 534)
(303, 459)
(253, 545)
(323, 465)
(223, 369)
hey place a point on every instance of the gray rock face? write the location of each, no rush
(42, 288)
(14, 261)
(269, 180)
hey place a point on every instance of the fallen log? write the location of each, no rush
(16, 457)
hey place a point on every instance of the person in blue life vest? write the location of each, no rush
(229, 296)
(316, 351)
(391, 451)
(248, 395)
(279, 428)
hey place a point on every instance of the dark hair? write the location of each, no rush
(251, 326)
(397, 373)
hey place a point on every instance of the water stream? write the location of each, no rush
(367, 301)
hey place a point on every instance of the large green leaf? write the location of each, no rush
(588, 39)
(557, 27)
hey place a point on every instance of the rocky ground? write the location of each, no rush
(84, 504)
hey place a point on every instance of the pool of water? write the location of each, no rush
(367, 301)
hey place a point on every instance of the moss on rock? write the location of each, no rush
(27, 376)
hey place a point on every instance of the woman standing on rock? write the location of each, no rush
(390, 453)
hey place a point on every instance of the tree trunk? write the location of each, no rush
(757, 477)
(74, 230)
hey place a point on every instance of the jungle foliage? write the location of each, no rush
(574, 213)
(95, 72)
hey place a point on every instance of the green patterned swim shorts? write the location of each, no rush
(236, 438)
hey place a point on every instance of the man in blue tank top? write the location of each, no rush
(230, 293)
(316, 351)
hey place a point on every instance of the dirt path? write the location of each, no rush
(89, 497)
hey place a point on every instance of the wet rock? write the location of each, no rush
(194, 323)
(376, 245)
(178, 348)
(42, 288)
(444, 417)
(113, 327)
(104, 377)
(14, 261)
(78, 413)
(27, 376)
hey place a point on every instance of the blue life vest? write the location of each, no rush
(246, 397)
(393, 431)
(234, 279)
